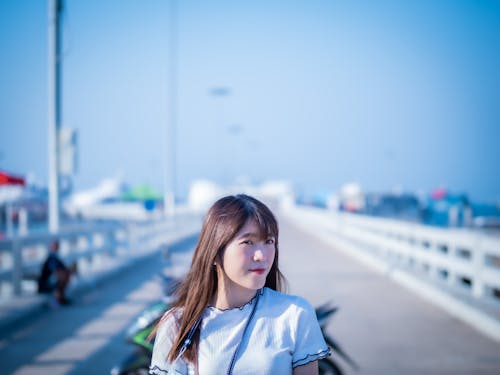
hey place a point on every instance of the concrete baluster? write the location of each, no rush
(17, 269)
(477, 266)
(131, 243)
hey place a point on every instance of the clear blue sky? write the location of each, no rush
(385, 93)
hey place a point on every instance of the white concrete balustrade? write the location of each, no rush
(92, 247)
(464, 259)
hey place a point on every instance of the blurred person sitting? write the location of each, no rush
(55, 275)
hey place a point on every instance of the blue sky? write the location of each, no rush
(385, 93)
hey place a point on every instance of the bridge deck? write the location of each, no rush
(386, 328)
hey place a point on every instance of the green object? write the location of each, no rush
(141, 338)
(141, 193)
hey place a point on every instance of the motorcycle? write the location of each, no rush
(328, 366)
(137, 362)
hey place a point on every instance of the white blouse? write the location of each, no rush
(283, 333)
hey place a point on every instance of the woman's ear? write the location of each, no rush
(219, 257)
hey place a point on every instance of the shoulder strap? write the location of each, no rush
(189, 339)
(233, 360)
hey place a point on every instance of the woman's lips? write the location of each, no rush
(258, 271)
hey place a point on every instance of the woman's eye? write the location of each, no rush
(270, 241)
(247, 242)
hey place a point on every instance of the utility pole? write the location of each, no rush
(170, 167)
(54, 112)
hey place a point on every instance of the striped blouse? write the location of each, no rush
(283, 333)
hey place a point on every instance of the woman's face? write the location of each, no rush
(247, 259)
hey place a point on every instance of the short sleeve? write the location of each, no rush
(310, 344)
(163, 343)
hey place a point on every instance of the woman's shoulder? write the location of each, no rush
(285, 300)
(172, 314)
(169, 322)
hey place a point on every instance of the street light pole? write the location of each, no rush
(54, 111)
(170, 167)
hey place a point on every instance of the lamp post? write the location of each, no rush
(170, 167)
(54, 111)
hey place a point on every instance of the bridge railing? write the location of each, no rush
(90, 247)
(462, 258)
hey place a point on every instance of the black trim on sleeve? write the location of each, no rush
(311, 357)
(157, 371)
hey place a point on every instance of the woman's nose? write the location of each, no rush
(259, 255)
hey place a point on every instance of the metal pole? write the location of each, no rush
(54, 112)
(170, 167)
(17, 270)
(8, 216)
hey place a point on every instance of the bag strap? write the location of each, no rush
(189, 338)
(233, 360)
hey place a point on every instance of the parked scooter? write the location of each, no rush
(328, 365)
(137, 362)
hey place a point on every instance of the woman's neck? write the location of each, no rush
(225, 299)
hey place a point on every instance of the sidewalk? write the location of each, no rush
(20, 308)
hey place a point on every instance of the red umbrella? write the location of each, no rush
(9, 179)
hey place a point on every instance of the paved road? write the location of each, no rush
(86, 338)
(387, 329)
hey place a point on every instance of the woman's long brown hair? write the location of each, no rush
(222, 221)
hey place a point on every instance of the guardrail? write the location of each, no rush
(90, 246)
(465, 259)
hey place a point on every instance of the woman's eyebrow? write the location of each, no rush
(248, 234)
(255, 235)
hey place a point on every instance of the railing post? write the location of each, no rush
(477, 266)
(452, 257)
(131, 236)
(17, 269)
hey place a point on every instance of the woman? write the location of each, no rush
(229, 316)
